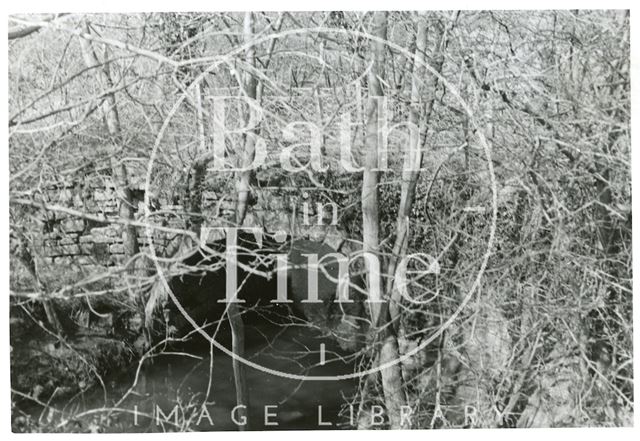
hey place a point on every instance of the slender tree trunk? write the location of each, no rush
(391, 376)
(199, 171)
(602, 349)
(127, 206)
(419, 117)
(243, 192)
(25, 257)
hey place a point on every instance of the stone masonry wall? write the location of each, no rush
(68, 239)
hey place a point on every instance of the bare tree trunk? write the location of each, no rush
(127, 206)
(391, 376)
(199, 168)
(25, 257)
(419, 117)
(243, 192)
(602, 348)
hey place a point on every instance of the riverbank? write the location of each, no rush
(176, 390)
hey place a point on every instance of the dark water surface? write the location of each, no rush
(170, 391)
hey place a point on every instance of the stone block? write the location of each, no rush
(71, 225)
(50, 242)
(109, 231)
(86, 247)
(63, 261)
(70, 250)
(116, 248)
(103, 194)
(53, 250)
(105, 239)
(69, 239)
(85, 261)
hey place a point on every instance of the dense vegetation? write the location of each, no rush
(521, 208)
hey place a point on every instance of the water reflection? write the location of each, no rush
(183, 390)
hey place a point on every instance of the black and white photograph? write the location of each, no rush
(281, 220)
